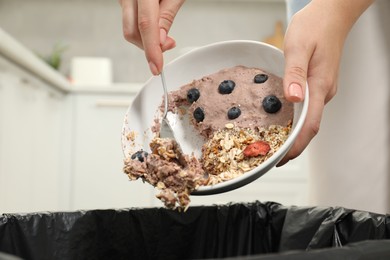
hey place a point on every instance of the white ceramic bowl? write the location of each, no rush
(194, 65)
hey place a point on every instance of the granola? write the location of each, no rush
(223, 155)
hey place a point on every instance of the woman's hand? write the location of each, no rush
(313, 46)
(146, 23)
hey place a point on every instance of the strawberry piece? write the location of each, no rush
(257, 148)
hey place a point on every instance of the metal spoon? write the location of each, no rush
(166, 130)
(187, 140)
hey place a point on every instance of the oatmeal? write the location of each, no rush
(224, 157)
(174, 174)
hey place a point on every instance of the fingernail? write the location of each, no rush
(153, 68)
(295, 92)
(163, 36)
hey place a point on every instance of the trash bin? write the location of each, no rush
(254, 230)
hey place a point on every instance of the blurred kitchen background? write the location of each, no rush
(67, 77)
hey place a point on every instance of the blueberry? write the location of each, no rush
(234, 112)
(199, 114)
(260, 78)
(140, 155)
(193, 95)
(226, 87)
(271, 104)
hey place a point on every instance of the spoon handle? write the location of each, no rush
(165, 94)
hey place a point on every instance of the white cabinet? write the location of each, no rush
(98, 180)
(61, 151)
(31, 119)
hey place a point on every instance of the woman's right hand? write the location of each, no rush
(146, 24)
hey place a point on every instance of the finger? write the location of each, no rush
(148, 18)
(310, 127)
(168, 11)
(129, 22)
(296, 65)
(169, 44)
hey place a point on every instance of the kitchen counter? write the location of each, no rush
(15, 52)
(18, 54)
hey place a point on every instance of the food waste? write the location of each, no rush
(244, 119)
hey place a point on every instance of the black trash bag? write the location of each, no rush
(365, 250)
(233, 230)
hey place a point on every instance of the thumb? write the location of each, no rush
(295, 74)
(166, 41)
